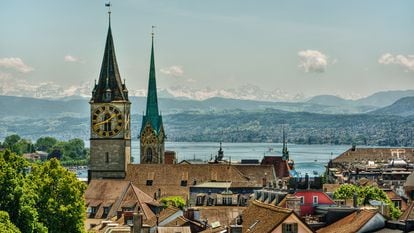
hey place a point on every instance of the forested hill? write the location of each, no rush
(65, 119)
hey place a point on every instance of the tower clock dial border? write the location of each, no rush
(107, 121)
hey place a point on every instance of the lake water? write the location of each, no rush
(308, 158)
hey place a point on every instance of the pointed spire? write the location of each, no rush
(109, 85)
(285, 152)
(152, 113)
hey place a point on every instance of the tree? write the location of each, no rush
(365, 194)
(17, 196)
(175, 201)
(10, 140)
(74, 149)
(60, 201)
(45, 143)
(6, 226)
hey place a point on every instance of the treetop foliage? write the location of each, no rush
(40, 197)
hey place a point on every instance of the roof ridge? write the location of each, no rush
(272, 207)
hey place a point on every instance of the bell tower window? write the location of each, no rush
(149, 155)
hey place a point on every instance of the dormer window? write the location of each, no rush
(315, 200)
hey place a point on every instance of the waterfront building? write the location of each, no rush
(152, 133)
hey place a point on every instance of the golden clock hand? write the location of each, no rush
(105, 121)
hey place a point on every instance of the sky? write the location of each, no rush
(349, 48)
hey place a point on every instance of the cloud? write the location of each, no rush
(15, 63)
(70, 58)
(407, 62)
(175, 71)
(313, 61)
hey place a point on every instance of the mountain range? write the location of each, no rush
(385, 118)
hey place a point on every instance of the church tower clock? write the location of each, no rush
(110, 137)
(152, 133)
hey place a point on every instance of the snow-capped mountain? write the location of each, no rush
(21, 87)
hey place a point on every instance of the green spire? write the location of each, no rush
(152, 114)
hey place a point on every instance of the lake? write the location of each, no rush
(308, 158)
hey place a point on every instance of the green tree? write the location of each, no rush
(10, 140)
(175, 201)
(45, 143)
(18, 198)
(6, 226)
(365, 194)
(346, 191)
(60, 202)
(74, 149)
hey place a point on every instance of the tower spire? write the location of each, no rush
(285, 152)
(109, 85)
(152, 112)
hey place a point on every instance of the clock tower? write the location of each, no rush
(110, 138)
(152, 133)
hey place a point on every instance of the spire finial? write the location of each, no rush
(109, 11)
(152, 31)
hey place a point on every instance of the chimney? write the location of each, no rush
(137, 223)
(264, 182)
(293, 203)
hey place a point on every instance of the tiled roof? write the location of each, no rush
(374, 154)
(164, 214)
(408, 214)
(263, 218)
(117, 194)
(167, 177)
(222, 214)
(351, 223)
(173, 230)
(280, 165)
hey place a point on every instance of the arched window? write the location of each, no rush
(107, 125)
(149, 155)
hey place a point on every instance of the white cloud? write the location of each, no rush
(313, 61)
(15, 63)
(176, 71)
(70, 58)
(407, 62)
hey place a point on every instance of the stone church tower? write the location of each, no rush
(152, 133)
(110, 138)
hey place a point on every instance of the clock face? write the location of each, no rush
(107, 121)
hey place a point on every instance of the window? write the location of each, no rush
(93, 210)
(184, 183)
(149, 155)
(227, 200)
(200, 200)
(289, 228)
(315, 200)
(105, 212)
(107, 157)
(149, 182)
(302, 200)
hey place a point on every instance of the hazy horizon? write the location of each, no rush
(350, 49)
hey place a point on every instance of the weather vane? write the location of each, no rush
(152, 31)
(109, 7)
